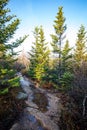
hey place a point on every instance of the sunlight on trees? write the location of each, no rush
(8, 26)
(39, 55)
(60, 28)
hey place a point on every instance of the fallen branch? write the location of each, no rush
(84, 105)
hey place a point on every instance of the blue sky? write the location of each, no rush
(42, 12)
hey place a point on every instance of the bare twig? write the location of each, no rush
(84, 103)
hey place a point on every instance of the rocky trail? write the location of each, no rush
(42, 111)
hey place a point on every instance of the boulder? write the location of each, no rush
(22, 95)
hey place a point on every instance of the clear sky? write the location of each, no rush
(42, 12)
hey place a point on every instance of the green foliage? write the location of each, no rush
(60, 28)
(80, 61)
(8, 26)
(51, 76)
(66, 61)
(14, 82)
(4, 91)
(80, 50)
(66, 58)
(59, 22)
(66, 80)
(39, 55)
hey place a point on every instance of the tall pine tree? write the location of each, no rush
(39, 55)
(60, 27)
(8, 26)
(80, 50)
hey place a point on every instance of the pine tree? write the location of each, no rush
(80, 61)
(66, 67)
(80, 50)
(8, 26)
(60, 28)
(66, 57)
(39, 55)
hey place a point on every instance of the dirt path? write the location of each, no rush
(44, 109)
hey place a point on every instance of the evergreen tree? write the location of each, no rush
(39, 55)
(8, 25)
(66, 57)
(66, 67)
(80, 61)
(80, 50)
(60, 28)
